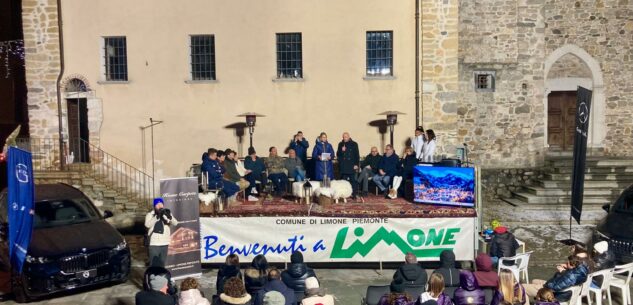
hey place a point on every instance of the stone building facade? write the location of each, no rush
(532, 47)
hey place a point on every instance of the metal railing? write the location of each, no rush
(92, 162)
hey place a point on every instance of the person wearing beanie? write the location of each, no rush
(295, 276)
(314, 295)
(275, 284)
(157, 223)
(257, 167)
(156, 294)
(397, 294)
(485, 275)
(503, 244)
(448, 271)
(602, 259)
(273, 298)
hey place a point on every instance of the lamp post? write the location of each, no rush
(251, 118)
(307, 191)
(392, 119)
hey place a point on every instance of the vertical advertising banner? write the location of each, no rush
(181, 197)
(20, 204)
(583, 106)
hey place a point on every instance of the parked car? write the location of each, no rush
(617, 227)
(72, 245)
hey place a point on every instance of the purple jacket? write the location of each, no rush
(496, 299)
(468, 292)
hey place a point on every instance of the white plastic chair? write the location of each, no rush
(606, 275)
(521, 262)
(576, 298)
(622, 283)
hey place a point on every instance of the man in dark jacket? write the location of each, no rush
(387, 169)
(348, 161)
(275, 284)
(157, 294)
(212, 170)
(257, 167)
(468, 292)
(503, 244)
(411, 272)
(369, 168)
(297, 273)
(300, 145)
(447, 269)
(575, 275)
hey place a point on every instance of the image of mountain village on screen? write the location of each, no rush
(444, 185)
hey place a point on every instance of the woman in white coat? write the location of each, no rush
(429, 147)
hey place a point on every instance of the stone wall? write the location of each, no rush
(41, 43)
(503, 128)
(499, 183)
(440, 34)
(569, 66)
(604, 29)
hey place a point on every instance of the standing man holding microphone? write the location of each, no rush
(157, 223)
(348, 161)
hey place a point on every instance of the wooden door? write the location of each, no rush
(561, 120)
(78, 133)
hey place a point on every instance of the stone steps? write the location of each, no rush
(540, 199)
(590, 162)
(541, 191)
(591, 176)
(596, 170)
(566, 185)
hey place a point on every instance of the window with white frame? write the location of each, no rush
(484, 81)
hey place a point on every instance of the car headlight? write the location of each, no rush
(121, 246)
(37, 260)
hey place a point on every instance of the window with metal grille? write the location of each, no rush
(202, 57)
(484, 81)
(289, 57)
(115, 58)
(380, 53)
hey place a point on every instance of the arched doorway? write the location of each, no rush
(77, 120)
(565, 69)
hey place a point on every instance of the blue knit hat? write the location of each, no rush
(158, 200)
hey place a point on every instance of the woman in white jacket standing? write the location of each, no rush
(429, 147)
(157, 223)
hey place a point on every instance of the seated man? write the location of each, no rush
(387, 168)
(503, 244)
(212, 170)
(294, 166)
(411, 272)
(276, 171)
(233, 175)
(369, 168)
(257, 167)
(275, 284)
(156, 294)
(575, 273)
(297, 273)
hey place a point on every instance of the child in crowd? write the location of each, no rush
(190, 293)
(545, 296)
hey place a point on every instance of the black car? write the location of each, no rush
(617, 227)
(71, 246)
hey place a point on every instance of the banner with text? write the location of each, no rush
(583, 109)
(181, 197)
(324, 239)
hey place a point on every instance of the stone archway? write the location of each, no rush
(593, 81)
(77, 87)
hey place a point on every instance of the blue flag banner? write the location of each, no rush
(20, 204)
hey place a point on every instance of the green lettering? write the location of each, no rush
(449, 237)
(416, 238)
(434, 237)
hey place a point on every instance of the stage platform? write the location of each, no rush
(374, 206)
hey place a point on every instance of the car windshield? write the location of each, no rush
(62, 212)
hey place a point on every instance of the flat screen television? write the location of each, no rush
(444, 185)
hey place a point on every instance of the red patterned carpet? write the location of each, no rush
(374, 206)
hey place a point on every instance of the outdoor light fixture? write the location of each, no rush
(392, 119)
(251, 118)
(307, 191)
